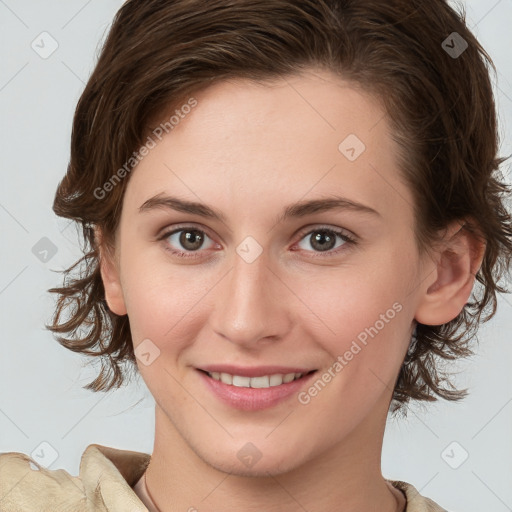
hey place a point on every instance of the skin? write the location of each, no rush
(249, 150)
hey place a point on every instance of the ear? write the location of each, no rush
(451, 280)
(109, 269)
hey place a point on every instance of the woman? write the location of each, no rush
(286, 206)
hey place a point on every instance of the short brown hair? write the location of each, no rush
(440, 105)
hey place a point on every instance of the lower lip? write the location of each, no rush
(254, 399)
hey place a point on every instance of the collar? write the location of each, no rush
(108, 475)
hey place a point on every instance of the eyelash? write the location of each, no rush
(349, 240)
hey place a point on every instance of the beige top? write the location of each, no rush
(109, 481)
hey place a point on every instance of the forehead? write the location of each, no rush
(243, 142)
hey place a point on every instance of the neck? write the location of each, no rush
(346, 477)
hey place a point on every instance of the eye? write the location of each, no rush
(323, 239)
(189, 238)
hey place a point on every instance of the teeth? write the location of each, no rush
(277, 380)
(226, 378)
(264, 381)
(241, 382)
(260, 382)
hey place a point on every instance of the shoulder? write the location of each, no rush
(25, 485)
(105, 482)
(415, 501)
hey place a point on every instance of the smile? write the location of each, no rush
(265, 381)
(254, 393)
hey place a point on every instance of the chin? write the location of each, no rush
(243, 458)
(262, 468)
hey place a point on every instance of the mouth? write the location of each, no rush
(259, 382)
(254, 393)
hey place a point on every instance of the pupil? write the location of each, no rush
(191, 237)
(324, 240)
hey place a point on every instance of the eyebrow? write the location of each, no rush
(295, 210)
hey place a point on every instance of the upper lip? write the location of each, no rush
(253, 371)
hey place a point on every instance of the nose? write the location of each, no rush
(252, 304)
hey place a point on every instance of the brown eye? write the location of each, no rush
(191, 240)
(325, 240)
(186, 240)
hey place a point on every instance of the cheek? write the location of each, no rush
(162, 299)
(360, 314)
(162, 319)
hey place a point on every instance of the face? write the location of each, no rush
(269, 284)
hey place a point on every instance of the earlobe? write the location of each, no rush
(111, 280)
(453, 277)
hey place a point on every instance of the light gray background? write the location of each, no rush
(41, 399)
